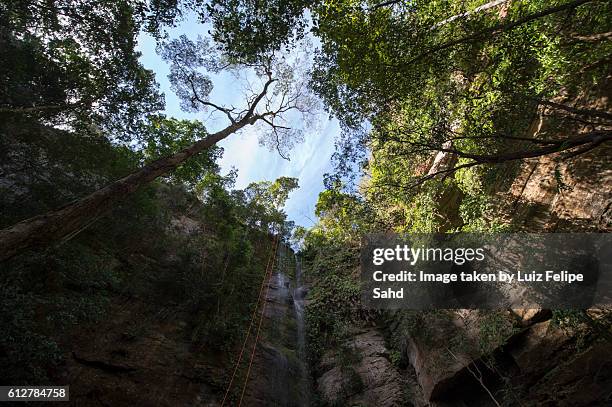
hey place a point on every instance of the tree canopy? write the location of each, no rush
(425, 91)
(446, 87)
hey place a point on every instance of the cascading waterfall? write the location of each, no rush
(280, 374)
(299, 294)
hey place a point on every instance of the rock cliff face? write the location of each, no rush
(533, 362)
(554, 195)
(452, 358)
(143, 355)
(371, 380)
(561, 193)
(279, 375)
(536, 364)
(137, 357)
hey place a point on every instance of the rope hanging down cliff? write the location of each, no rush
(261, 317)
(260, 298)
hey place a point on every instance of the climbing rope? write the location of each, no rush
(261, 317)
(268, 272)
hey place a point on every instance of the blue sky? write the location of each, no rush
(309, 160)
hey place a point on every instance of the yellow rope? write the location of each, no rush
(269, 267)
(263, 310)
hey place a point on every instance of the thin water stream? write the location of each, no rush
(299, 294)
(281, 374)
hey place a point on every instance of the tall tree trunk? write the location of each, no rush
(54, 226)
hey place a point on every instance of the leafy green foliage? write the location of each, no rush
(373, 56)
(167, 136)
(76, 64)
(334, 296)
(190, 244)
(446, 86)
(449, 78)
(494, 329)
(264, 201)
(248, 29)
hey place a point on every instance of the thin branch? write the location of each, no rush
(252, 106)
(593, 37)
(278, 145)
(595, 137)
(493, 136)
(196, 96)
(386, 3)
(583, 150)
(274, 126)
(577, 111)
(478, 9)
(478, 377)
(446, 171)
(587, 142)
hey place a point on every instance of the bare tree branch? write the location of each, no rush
(577, 111)
(63, 223)
(575, 146)
(386, 3)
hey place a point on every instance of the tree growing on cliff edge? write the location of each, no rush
(275, 89)
(264, 202)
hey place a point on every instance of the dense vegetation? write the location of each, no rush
(469, 87)
(104, 198)
(438, 102)
(194, 246)
(79, 111)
